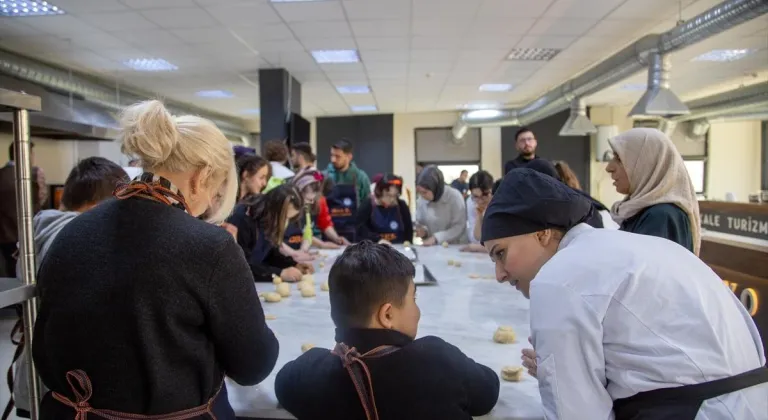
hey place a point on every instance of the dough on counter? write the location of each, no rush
(504, 335)
(272, 297)
(321, 264)
(451, 262)
(270, 317)
(284, 289)
(304, 284)
(306, 346)
(308, 292)
(407, 243)
(308, 278)
(276, 279)
(512, 373)
(457, 263)
(324, 287)
(474, 276)
(445, 244)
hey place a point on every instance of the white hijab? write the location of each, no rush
(657, 175)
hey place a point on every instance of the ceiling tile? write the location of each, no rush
(377, 9)
(118, 21)
(620, 28)
(576, 9)
(394, 55)
(427, 43)
(542, 41)
(288, 45)
(10, 28)
(308, 76)
(490, 41)
(343, 68)
(443, 56)
(438, 27)
(443, 9)
(255, 33)
(644, 9)
(329, 43)
(158, 4)
(560, 26)
(391, 43)
(347, 78)
(88, 6)
(380, 28)
(364, 99)
(38, 44)
(210, 35)
(180, 18)
(243, 14)
(513, 8)
(156, 37)
(102, 41)
(314, 30)
(61, 25)
(501, 27)
(310, 11)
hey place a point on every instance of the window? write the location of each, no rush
(452, 172)
(697, 170)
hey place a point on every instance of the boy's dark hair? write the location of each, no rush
(366, 276)
(482, 180)
(344, 145)
(12, 155)
(93, 180)
(270, 210)
(385, 182)
(305, 150)
(276, 151)
(521, 131)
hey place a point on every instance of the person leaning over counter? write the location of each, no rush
(261, 221)
(624, 325)
(143, 304)
(441, 214)
(660, 198)
(481, 191)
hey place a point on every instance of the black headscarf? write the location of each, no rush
(528, 201)
(432, 179)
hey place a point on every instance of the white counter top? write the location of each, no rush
(461, 310)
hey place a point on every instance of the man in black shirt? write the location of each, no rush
(461, 183)
(525, 143)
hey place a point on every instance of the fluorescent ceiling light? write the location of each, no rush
(25, 8)
(483, 114)
(480, 105)
(150, 64)
(252, 111)
(351, 90)
(214, 94)
(533, 54)
(364, 108)
(723, 55)
(495, 87)
(335, 56)
(634, 86)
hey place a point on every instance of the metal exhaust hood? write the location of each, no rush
(578, 124)
(658, 100)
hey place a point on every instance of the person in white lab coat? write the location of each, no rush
(624, 326)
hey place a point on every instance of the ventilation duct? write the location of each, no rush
(632, 59)
(88, 90)
(758, 115)
(459, 130)
(578, 124)
(489, 117)
(738, 101)
(658, 99)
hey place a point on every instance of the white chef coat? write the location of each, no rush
(471, 220)
(615, 313)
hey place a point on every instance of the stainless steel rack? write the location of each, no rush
(13, 291)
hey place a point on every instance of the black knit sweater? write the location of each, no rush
(153, 304)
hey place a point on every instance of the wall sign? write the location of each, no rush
(736, 223)
(751, 291)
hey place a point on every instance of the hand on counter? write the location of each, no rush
(305, 268)
(291, 274)
(431, 241)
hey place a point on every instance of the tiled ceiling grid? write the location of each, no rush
(416, 55)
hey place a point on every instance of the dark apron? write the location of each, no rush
(683, 402)
(388, 223)
(342, 204)
(216, 408)
(293, 235)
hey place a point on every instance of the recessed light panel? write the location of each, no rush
(353, 90)
(364, 108)
(24, 8)
(335, 56)
(495, 87)
(533, 54)
(214, 94)
(723, 55)
(150, 64)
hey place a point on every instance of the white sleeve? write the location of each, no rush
(568, 338)
(471, 220)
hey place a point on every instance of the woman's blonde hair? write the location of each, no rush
(180, 144)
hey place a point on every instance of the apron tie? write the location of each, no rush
(154, 191)
(355, 365)
(80, 384)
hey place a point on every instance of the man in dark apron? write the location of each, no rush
(624, 325)
(342, 204)
(351, 187)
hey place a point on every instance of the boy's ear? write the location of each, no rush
(384, 316)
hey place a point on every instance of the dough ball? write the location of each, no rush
(306, 346)
(321, 264)
(308, 278)
(308, 292)
(504, 335)
(270, 317)
(474, 276)
(304, 284)
(451, 262)
(445, 244)
(407, 243)
(457, 263)
(324, 287)
(512, 373)
(276, 279)
(284, 289)
(272, 297)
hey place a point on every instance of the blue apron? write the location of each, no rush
(293, 235)
(342, 204)
(388, 223)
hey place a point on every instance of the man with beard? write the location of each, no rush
(525, 143)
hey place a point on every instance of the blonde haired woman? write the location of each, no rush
(660, 198)
(144, 307)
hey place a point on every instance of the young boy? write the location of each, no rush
(373, 304)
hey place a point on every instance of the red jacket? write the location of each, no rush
(323, 221)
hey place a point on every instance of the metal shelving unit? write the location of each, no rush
(13, 291)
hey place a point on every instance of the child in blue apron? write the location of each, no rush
(261, 223)
(385, 216)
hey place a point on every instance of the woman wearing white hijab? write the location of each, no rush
(660, 198)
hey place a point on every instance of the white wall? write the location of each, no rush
(734, 159)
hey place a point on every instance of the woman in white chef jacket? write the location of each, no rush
(624, 325)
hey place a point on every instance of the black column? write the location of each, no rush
(279, 96)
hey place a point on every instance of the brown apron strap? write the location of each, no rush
(17, 331)
(81, 387)
(353, 362)
(153, 191)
